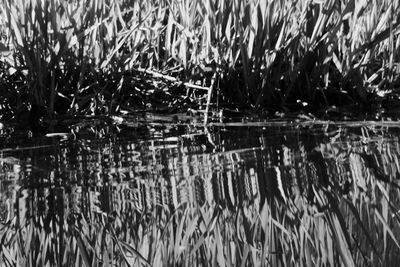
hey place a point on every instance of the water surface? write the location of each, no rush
(137, 194)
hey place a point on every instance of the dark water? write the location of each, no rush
(181, 195)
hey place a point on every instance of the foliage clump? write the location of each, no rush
(62, 57)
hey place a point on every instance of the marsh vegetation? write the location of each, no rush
(107, 57)
(181, 133)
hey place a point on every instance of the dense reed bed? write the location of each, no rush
(106, 56)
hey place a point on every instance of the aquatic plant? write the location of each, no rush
(263, 54)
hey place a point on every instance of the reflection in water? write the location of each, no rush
(301, 196)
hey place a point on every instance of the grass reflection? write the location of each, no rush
(275, 197)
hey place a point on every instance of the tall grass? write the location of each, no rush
(267, 54)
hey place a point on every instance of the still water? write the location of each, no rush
(278, 194)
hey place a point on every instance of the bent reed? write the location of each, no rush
(99, 56)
